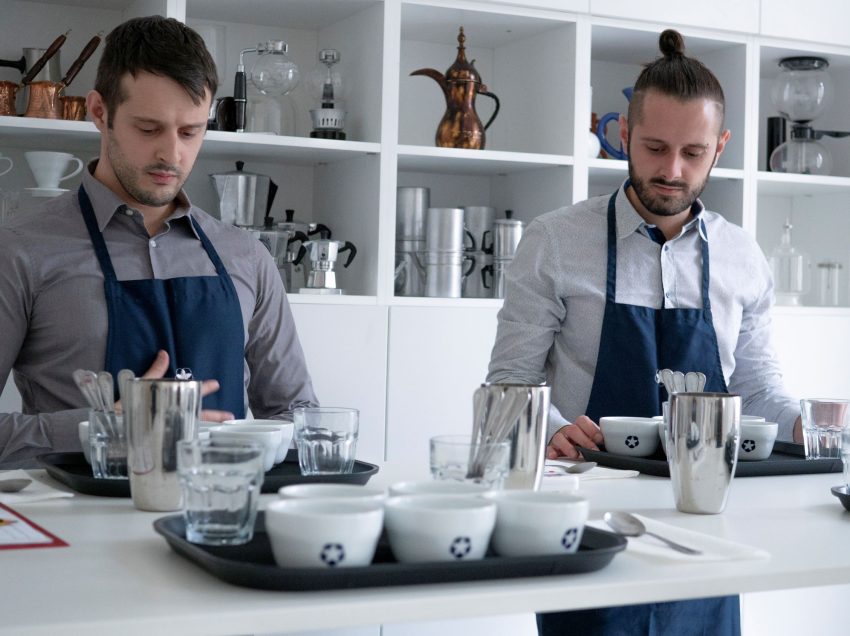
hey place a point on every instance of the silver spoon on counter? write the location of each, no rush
(630, 526)
(14, 485)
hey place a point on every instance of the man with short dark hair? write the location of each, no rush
(127, 273)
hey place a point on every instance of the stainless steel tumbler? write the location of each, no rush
(411, 204)
(702, 449)
(518, 413)
(158, 414)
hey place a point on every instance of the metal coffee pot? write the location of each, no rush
(245, 198)
(323, 255)
(460, 126)
(296, 233)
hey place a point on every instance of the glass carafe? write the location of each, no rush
(790, 269)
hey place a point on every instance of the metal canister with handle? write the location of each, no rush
(158, 413)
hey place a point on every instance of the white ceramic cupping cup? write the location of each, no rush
(745, 419)
(318, 533)
(445, 488)
(437, 528)
(269, 438)
(49, 167)
(535, 523)
(347, 492)
(757, 439)
(286, 429)
(636, 436)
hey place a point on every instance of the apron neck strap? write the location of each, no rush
(611, 280)
(94, 233)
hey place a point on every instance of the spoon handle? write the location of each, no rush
(676, 546)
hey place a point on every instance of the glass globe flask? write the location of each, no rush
(273, 72)
(802, 154)
(802, 89)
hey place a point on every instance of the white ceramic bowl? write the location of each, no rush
(752, 418)
(534, 523)
(636, 436)
(321, 533)
(83, 432)
(269, 438)
(347, 492)
(437, 528)
(286, 430)
(437, 487)
(757, 439)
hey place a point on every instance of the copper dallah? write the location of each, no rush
(460, 126)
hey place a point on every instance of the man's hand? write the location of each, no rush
(158, 369)
(583, 432)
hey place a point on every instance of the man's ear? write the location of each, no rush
(96, 109)
(721, 144)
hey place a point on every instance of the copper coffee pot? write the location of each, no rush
(460, 126)
(46, 97)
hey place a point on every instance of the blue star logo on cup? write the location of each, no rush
(632, 441)
(332, 554)
(748, 445)
(569, 538)
(460, 547)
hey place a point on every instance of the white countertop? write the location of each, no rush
(118, 575)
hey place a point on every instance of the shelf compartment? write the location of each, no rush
(513, 51)
(796, 185)
(617, 56)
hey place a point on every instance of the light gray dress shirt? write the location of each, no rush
(551, 321)
(53, 315)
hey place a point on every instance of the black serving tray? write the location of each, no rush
(72, 470)
(786, 459)
(843, 494)
(253, 565)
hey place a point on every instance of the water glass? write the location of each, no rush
(221, 487)
(326, 438)
(107, 445)
(457, 458)
(823, 423)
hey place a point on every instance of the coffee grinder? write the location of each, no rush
(323, 255)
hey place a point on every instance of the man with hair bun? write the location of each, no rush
(603, 293)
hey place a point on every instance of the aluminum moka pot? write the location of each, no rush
(323, 256)
(245, 198)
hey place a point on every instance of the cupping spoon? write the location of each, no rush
(630, 526)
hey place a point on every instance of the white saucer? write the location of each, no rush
(46, 192)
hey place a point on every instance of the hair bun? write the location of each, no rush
(671, 43)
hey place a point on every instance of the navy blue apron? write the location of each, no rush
(635, 343)
(196, 319)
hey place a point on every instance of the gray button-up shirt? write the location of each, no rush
(551, 321)
(53, 316)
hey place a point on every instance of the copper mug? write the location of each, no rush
(44, 100)
(73, 107)
(8, 93)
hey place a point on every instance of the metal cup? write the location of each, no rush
(411, 204)
(702, 449)
(158, 414)
(518, 413)
(444, 231)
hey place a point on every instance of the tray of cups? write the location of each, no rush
(253, 564)
(786, 458)
(72, 470)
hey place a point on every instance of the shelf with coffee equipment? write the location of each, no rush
(613, 171)
(422, 301)
(477, 162)
(789, 184)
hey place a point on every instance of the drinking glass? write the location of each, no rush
(107, 445)
(457, 458)
(326, 438)
(221, 487)
(823, 423)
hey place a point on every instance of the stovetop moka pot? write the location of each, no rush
(460, 126)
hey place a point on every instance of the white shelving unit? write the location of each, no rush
(411, 364)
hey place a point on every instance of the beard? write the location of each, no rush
(661, 205)
(130, 178)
